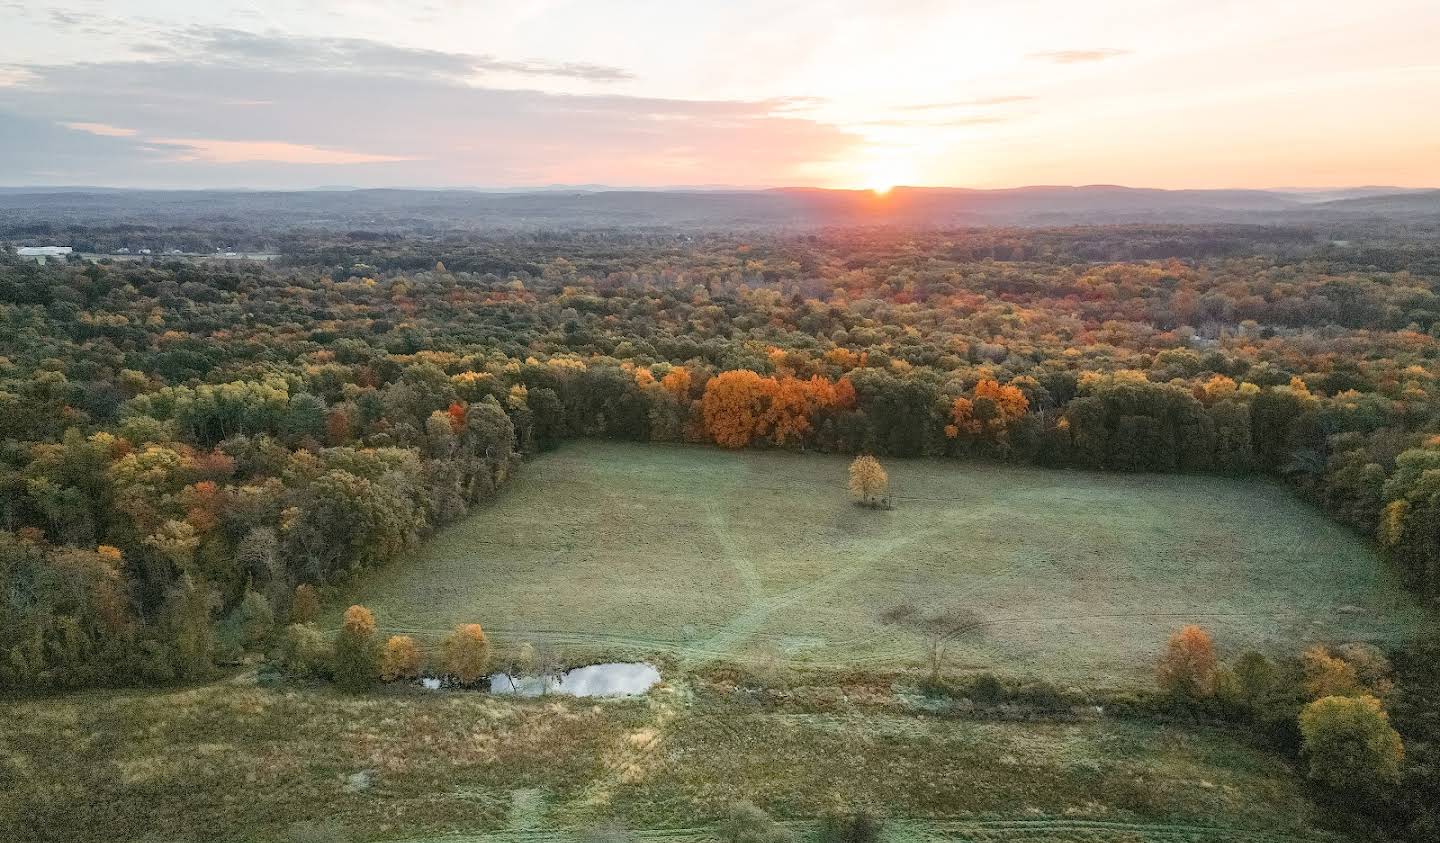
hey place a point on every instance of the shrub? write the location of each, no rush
(1371, 666)
(1255, 677)
(467, 653)
(1327, 676)
(305, 606)
(304, 651)
(1348, 743)
(746, 823)
(987, 688)
(401, 659)
(859, 826)
(249, 624)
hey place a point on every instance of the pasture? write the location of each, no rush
(700, 555)
(232, 761)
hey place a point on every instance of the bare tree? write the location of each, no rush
(938, 628)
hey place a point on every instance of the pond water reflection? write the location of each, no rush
(616, 679)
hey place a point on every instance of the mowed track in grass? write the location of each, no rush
(235, 762)
(702, 554)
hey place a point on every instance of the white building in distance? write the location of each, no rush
(41, 253)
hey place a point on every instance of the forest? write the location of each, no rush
(184, 444)
(191, 451)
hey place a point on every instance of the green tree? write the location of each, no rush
(357, 658)
(1349, 743)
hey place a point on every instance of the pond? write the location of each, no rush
(616, 679)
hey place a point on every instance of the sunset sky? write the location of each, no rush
(840, 93)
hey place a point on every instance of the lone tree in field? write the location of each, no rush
(357, 659)
(1349, 743)
(868, 480)
(467, 653)
(937, 628)
(1188, 667)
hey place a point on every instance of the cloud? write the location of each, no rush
(102, 129)
(323, 125)
(971, 103)
(13, 75)
(234, 47)
(279, 152)
(1080, 56)
(972, 120)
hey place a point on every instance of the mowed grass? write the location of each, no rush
(704, 555)
(231, 762)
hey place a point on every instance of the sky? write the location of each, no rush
(839, 93)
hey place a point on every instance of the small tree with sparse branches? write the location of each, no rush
(938, 628)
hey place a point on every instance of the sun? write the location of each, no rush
(881, 177)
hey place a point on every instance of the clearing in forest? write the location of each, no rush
(759, 556)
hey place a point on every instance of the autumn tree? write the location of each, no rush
(677, 382)
(305, 605)
(989, 413)
(786, 415)
(401, 659)
(1188, 667)
(1349, 743)
(1327, 675)
(467, 653)
(357, 660)
(868, 480)
(732, 407)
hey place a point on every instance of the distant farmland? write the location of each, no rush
(701, 555)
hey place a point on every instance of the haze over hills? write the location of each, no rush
(21, 209)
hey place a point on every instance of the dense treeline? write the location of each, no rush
(182, 444)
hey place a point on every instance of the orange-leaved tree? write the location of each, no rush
(467, 653)
(401, 659)
(990, 411)
(1188, 666)
(732, 407)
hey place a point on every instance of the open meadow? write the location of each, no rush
(235, 762)
(759, 557)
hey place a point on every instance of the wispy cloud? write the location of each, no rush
(1081, 56)
(190, 128)
(970, 103)
(102, 129)
(14, 76)
(972, 120)
(222, 46)
(274, 152)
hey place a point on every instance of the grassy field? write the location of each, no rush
(705, 555)
(239, 762)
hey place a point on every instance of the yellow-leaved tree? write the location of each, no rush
(1349, 743)
(401, 659)
(868, 480)
(467, 653)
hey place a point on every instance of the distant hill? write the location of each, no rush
(1416, 202)
(798, 208)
